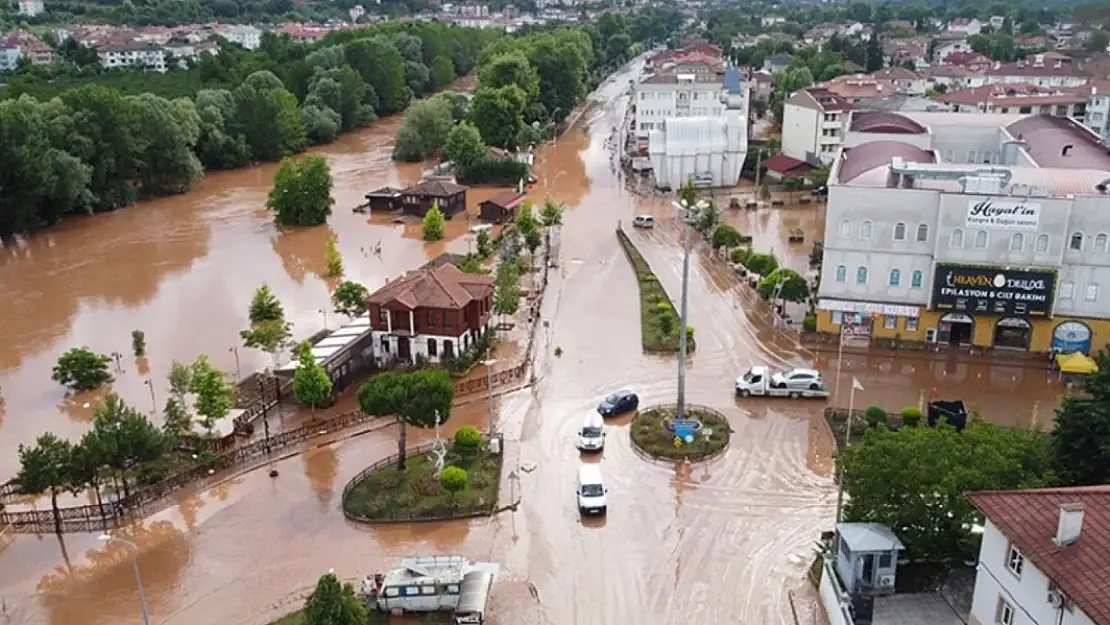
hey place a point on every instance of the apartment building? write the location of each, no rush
(250, 37)
(1022, 99)
(685, 90)
(813, 123)
(1043, 70)
(31, 8)
(141, 55)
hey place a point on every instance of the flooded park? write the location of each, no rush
(725, 542)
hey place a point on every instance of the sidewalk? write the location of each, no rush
(962, 355)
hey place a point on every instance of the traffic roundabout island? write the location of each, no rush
(701, 434)
(444, 480)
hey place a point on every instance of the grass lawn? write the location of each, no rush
(659, 322)
(390, 495)
(650, 434)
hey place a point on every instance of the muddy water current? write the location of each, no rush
(724, 542)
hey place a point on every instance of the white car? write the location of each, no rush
(591, 436)
(798, 380)
(643, 221)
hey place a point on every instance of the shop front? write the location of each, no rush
(1012, 333)
(1004, 303)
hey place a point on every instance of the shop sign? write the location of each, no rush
(869, 308)
(993, 291)
(855, 331)
(702, 178)
(1071, 336)
(1003, 214)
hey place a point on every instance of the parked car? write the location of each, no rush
(643, 221)
(591, 436)
(622, 401)
(798, 379)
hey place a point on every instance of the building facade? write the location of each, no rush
(148, 56)
(813, 123)
(1044, 557)
(688, 90)
(984, 230)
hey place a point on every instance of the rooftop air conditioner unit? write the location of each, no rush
(886, 581)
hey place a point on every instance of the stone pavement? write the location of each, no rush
(914, 609)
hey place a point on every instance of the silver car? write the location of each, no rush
(798, 380)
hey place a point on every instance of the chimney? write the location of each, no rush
(1071, 524)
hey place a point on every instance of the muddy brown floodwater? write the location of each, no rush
(723, 544)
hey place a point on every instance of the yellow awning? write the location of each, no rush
(1076, 363)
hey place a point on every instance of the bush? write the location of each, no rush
(738, 255)
(666, 322)
(689, 334)
(468, 440)
(875, 415)
(486, 171)
(454, 479)
(911, 416)
(809, 323)
(762, 264)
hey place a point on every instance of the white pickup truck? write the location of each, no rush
(795, 383)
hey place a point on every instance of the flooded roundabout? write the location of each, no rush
(722, 543)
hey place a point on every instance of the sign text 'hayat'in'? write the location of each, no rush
(1003, 214)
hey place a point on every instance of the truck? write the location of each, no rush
(761, 381)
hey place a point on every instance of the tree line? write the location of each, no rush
(92, 148)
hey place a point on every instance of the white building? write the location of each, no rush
(1045, 557)
(989, 230)
(1098, 110)
(150, 56)
(965, 26)
(813, 124)
(31, 8)
(9, 58)
(702, 136)
(1043, 70)
(687, 90)
(249, 37)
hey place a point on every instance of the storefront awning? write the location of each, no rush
(1076, 363)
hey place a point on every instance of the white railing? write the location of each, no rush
(834, 597)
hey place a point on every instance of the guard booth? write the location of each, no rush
(867, 557)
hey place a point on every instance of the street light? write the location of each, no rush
(153, 402)
(134, 549)
(690, 214)
(324, 312)
(238, 373)
(489, 394)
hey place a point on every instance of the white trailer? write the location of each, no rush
(759, 381)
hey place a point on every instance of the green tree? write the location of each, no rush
(179, 377)
(726, 236)
(166, 135)
(443, 72)
(301, 195)
(138, 343)
(454, 480)
(175, 418)
(124, 438)
(333, 260)
(349, 299)
(311, 384)
(464, 146)
(468, 440)
(551, 214)
(433, 224)
(929, 510)
(86, 467)
(106, 125)
(333, 603)
(526, 218)
(45, 468)
(413, 398)
(561, 61)
(484, 244)
(498, 114)
(265, 306)
(1081, 434)
(220, 144)
(425, 128)
(214, 396)
(506, 293)
(761, 264)
(269, 118)
(794, 287)
(81, 369)
(532, 240)
(342, 90)
(381, 65)
(510, 69)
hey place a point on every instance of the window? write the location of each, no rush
(987, 156)
(981, 240)
(432, 347)
(1076, 242)
(916, 279)
(885, 560)
(1100, 243)
(911, 324)
(1015, 561)
(1091, 293)
(1041, 247)
(899, 231)
(384, 316)
(841, 274)
(845, 228)
(865, 230)
(971, 156)
(957, 238)
(410, 591)
(452, 589)
(861, 275)
(1017, 242)
(1067, 289)
(948, 156)
(922, 233)
(392, 591)
(895, 277)
(1005, 615)
(385, 343)
(428, 591)
(890, 322)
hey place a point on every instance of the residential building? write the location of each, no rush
(972, 61)
(949, 44)
(945, 77)
(1020, 99)
(776, 62)
(502, 207)
(1036, 71)
(706, 140)
(857, 88)
(430, 314)
(904, 80)
(249, 37)
(9, 57)
(185, 51)
(419, 198)
(692, 90)
(31, 8)
(21, 44)
(813, 123)
(988, 230)
(149, 56)
(964, 26)
(1044, 557)
(899, 51)
(1098, 109)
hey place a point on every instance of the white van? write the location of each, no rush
(591, 436)
(591, 490)
(643, 221)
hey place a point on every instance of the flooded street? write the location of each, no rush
(722, 545)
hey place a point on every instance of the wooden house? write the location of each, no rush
(502, 207)
(451, 197)
(384, 199)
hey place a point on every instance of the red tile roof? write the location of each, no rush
(783, 164)
(445, 286)
(1012, 95)
(1029, 519)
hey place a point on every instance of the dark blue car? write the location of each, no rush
(621, 401)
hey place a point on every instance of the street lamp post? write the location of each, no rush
(324, 312)
(856, 386)
(238, 372)
(489, 395)
(688, 217)
(153, 401)
(134, 549)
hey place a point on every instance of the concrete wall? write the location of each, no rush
(800, 128)
(1027, 594)
(831, 590)
(852, 139)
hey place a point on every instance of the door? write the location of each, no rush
(403, 348)
(868, 577)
